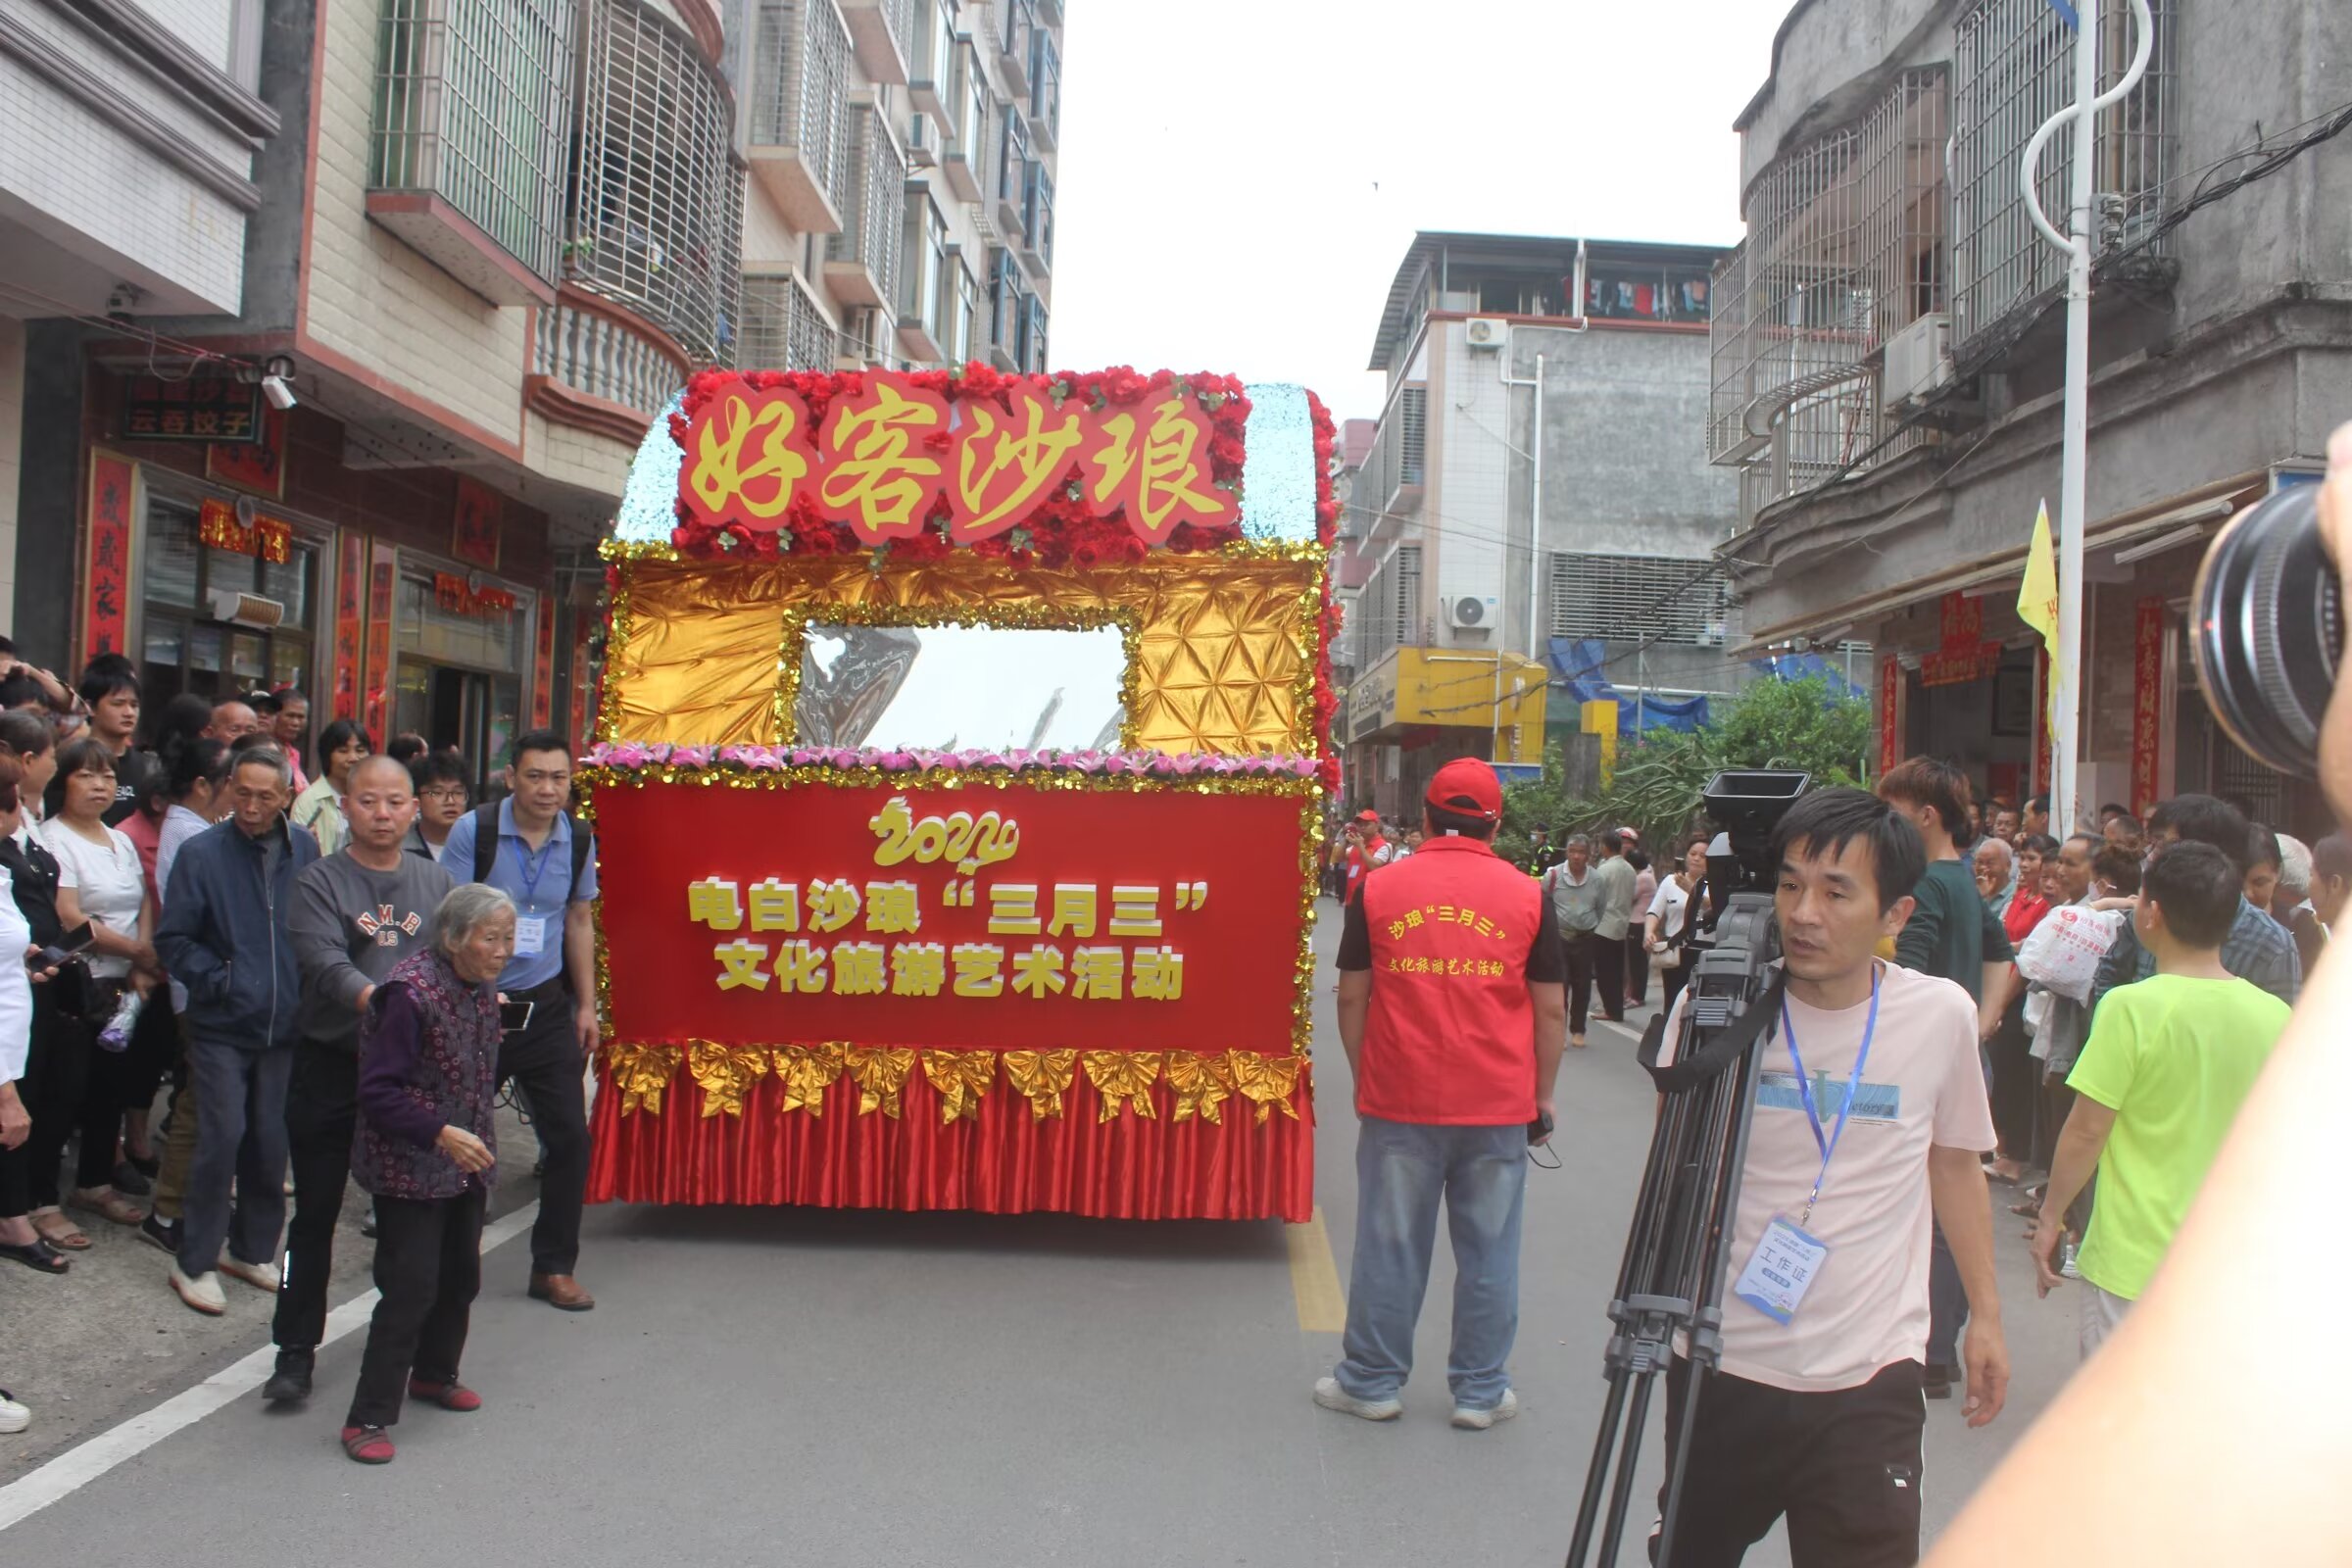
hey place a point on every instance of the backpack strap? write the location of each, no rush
(485, 840)
(579, 848)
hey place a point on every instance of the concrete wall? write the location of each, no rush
(11, 466)
(1830, 59)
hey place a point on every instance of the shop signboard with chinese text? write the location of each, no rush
(204, 409)
(2147, 705)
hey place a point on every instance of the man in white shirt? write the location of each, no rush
(1870, 1117)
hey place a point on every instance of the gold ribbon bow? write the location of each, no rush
(1202, 1084)
(725, 1073)
(880, 1074)
(1269, 1081)
(805, 1073)
(641, 1072)
(961, 1077)
(1042, 1076)
(1123, 1077)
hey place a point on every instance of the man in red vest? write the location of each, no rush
(1452, 1011)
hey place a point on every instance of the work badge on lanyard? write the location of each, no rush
(1786, 1260)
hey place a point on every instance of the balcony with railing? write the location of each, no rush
(601, 368)
(884, 34)
(471, 138)
(2012, 67)
(1845, 253)
(783, 328)
(1044, 91)
(799, 124)
(657, 215)
(862, 262)
(931, 68)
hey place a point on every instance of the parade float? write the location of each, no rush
(959, 778)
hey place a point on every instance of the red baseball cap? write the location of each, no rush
(1368, 814)
(1468, 786)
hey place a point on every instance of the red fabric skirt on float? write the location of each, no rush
(1005, 1160)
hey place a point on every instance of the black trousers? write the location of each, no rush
(1671, 982)
(544, 1061)
(1842, 1466)
(1636, 965)
(323, 1108)
(428, 1269)
(1595, 961)
(2016, 1080)
(29, 1171)
(58, 1105)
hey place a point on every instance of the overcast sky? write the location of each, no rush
(1238, 178)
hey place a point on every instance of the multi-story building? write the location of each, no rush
(488, 244)
(1531, 507)
(1889, 362)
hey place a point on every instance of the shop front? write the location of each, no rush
(411, 599)
(1418, 708)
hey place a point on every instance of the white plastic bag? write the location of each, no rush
(2064, 951)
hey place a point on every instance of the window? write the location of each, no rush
(184, 647)
(1627, 598)
(1390, 606)
(967, 314)
(926, 247)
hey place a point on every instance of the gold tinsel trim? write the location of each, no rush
(961, 1077)
(641, 1073)
(805, 1073)
(1202, 1080)
(726, 1076)
(1042, 1076)
(880, 1074)
(1122, 1077)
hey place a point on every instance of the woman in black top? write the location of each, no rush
(56, 1067)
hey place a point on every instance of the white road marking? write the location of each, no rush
(86, 1462)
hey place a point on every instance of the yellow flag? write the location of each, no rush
(2038, 605)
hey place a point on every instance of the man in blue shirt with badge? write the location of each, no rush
(528, 846)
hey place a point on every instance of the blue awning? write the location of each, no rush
(1576, 668)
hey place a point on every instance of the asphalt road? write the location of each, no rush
(855, 1389)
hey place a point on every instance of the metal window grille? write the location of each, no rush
(1845, 247)
(804, 83)
(2014, 67)
(874, 221)
(782, 327)
(1630, 598)
(1391, 604)
(474, 104)
(656, 222)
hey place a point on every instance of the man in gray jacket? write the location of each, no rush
(356, 914)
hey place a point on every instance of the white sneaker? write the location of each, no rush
(203, 1292)
(1470, 1420)
(1331, 1396)
(260, 1276)
(14, 1417)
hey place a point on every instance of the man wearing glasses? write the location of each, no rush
(441, 799)
(527, 847)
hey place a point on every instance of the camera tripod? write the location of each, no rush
(1670, 1282)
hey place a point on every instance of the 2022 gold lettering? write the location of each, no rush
(966, 841)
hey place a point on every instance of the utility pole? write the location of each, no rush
(2075, 461)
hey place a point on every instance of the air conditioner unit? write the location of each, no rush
(1919, 361)
(245, 609)
(1488, 331)
(1471, 612)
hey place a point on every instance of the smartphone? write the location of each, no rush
(73, 942)
(515, 1017)
(1541, 1128)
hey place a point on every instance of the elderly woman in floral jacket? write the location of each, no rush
(425, 1149)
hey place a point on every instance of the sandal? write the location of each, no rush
(60, 1232)
(2030, 1209)
(36, 1254)
(108, 1205)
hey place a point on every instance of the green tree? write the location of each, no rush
(1655, 786)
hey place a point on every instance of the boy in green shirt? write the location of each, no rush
(2160, 1080)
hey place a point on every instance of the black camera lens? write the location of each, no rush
(2268, 629)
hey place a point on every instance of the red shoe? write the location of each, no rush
(367, 1445)
(449, 1396)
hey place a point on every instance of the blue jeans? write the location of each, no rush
(1401, 1170)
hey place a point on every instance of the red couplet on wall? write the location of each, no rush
(1028, 917)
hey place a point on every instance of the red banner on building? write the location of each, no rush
(543, 664)
(217, 527)
(2041, 723)
(2147, 705)
(105, 605)
(582, 677)
(259, 465)
(351, 573)
(1053, 918)
(1891, 715)
(375, 676)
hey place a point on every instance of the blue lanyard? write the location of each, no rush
(529, 874)
(1805, 1088)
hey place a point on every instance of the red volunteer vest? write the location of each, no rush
(1450, 1039)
